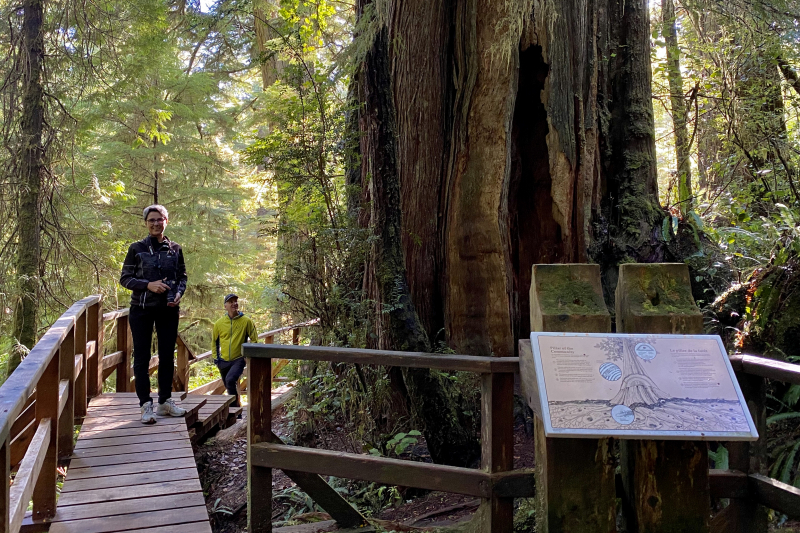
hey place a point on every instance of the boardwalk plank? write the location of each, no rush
(151, 518)
(130, 468)
(197, 527)
(128, 493)
(94, 425)
(138, 457)
(148, 446)
(128, 480)
(140, 430)
(174, 502)
(130, 439)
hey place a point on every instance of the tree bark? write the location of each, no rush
(522, 133)
(678, 103)
(449, 440)
(31, 166)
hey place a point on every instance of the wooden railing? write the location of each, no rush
(496, 482)
(744, 482)
(121, 359)
(38, 405)
(43, 398)
(217, 386)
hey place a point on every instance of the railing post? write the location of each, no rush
(5, 471)
(95, 332)
(497, 447)
(259, 429)
(123, 345)
(745, 515)
(182, 373)
(574, 477)
(44, 493)
(81, 398)
(66, 420)
(665, 482)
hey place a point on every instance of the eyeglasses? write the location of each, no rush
(155, 220)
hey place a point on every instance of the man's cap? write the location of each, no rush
(229, 297)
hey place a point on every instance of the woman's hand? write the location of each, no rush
(157, 287)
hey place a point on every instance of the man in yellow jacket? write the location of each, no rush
(230, 332)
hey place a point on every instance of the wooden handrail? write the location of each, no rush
(38, 404)
(265, 453)
(22, 382)
(463, 363)
(766, 368)
(28, 473)
(278, 331)
(114, 315)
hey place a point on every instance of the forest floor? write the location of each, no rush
(221, 462)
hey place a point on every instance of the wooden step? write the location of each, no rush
(233, 415)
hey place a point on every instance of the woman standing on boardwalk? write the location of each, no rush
(155, 273)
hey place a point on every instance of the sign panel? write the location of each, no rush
(679, 387)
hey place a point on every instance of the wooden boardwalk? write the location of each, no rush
(125, 476)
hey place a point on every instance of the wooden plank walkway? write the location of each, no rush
(136, 478)
(125, 476)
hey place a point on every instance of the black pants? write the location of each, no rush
(231, 371)
(142, 320)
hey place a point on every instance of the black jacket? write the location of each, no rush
(148, 260)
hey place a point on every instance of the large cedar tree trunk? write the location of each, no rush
(31, 167)
(522, 133)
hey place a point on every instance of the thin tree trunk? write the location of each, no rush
(679, 118)
(31, 165)
(263, 16)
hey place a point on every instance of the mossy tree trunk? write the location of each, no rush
(449, 441)
(678, 103)
(31, 168)
(522, 133)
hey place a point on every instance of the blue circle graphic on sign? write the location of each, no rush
(622, 414)
(610, 371)
(645, 351)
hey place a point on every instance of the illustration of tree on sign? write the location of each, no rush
(637, 387)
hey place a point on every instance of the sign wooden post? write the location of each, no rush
(665, 482)
(574, 477)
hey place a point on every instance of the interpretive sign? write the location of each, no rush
(638, 387)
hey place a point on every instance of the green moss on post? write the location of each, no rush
(568, 298)
(656, 298)
(574, 477)
(665, 482)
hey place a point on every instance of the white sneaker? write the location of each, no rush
(169, 408)
(147, 413)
